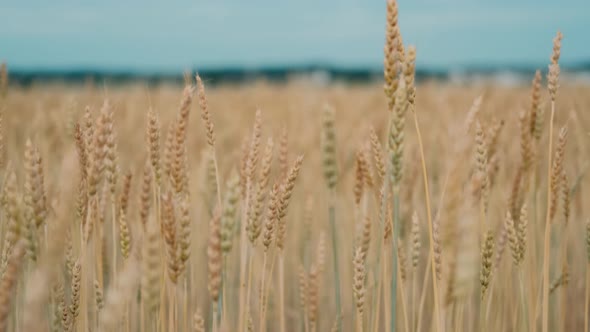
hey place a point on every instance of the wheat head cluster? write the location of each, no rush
(297, 206)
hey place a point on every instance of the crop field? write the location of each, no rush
(297, 206)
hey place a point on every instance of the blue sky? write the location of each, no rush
(174, 35)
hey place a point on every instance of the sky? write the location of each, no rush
(170, 36)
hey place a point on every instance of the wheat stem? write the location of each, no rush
(404, 306)
(547, 240)
(245, 261)
(282, 293)
(423, 293)
(332, 217)
(249, 278)
(394, 259)
(587, 297)
(114, 239)
(440, 326)
(523, 298)
(262, 291)
(381, 261)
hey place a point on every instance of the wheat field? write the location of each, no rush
(284, 207)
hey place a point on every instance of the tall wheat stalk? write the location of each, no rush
(381, 269)
(333, 229)
(587, 295)
(328, 144)
(439, 324)
(552, 86)
(547, 237)
(394, 260)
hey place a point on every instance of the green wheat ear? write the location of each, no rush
(329, 147)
